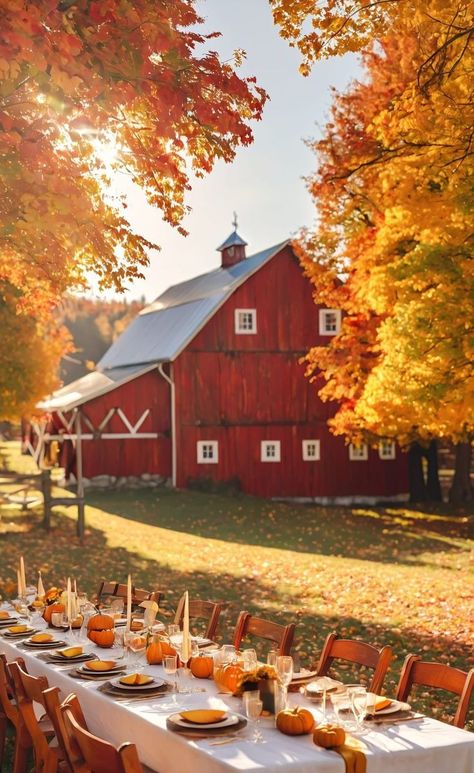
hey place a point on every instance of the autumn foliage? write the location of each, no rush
(75, 76)
(393, 246)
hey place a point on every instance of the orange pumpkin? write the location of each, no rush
(329, 736)
(228, 677)
(100, 630)
(51, 609)
(202, 666)
(154, 652)
(295, 721)
(104, 639)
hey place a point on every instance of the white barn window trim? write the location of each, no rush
(387, 449)
(270, 451)
(311, 450)
(245, 321)
(359, 453)
(329, 322)
(207, 451)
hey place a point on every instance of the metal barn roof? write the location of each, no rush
(164, 328)
(161, 331)
(87, 387)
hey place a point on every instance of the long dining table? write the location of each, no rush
(424, 745)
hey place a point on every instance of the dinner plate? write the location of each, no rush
(9, 621)
(44, 645)
(28, 632)
(90, 672)
(75, 659)
(137, 687)
(303, 675)
(231, 719)
(394, 706)
(317, 687)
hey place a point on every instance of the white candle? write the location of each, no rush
(40, 591)
(22, 576)
(186, 648)
(69, 599)
(129, 603)
(18, 579)
(75, 586)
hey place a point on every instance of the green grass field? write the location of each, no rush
(396, 576)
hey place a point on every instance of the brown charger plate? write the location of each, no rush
(208, 732)
(74, 672)
(152, 692)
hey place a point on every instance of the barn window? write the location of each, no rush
(245, 321)
(358, 453)
(207, 451)
(387, 449)
(329, 322)
(270, 451)
(310, 450)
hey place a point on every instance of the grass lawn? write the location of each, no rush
(396, 576)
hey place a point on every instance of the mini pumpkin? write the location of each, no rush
(295, 721)
(202, 666)
(154, 652)
(228, 677)
(100, 630)
(51, 609)
(329, 736)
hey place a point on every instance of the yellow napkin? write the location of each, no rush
(353, 755)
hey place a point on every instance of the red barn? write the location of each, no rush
(206, 386)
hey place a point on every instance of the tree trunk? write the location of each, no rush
(461, 489)
(433, 486)
(416, 479)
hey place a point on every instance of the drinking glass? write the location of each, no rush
(358, 699)
(284, 667)
(370, 705)
(250, 659)
(170, 667)
(173, 630)
(138, 646)
(127, 638)
(271, 658)
(253, 708)
(341, 704)
(57, 619)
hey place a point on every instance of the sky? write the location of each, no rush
(264, 184)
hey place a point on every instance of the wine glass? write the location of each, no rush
(253, 708)
(284, 667)
(358, 699)
(137, 645)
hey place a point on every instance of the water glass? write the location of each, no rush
(358, 699)
(272, 658)
(249, 658)
(253, 708)
(173, 630)
(57, 619)
(370, 705)
(170, 667)
(342, 707)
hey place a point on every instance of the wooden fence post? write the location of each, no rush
(46, 489)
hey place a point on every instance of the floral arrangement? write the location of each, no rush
(52, 595)
(249, 679)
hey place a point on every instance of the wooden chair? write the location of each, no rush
(248, 625)
(90, 754)
(356, 652)
(205, 610)
(29, 690)
(118, 590)
(9, 713)
(441, 677)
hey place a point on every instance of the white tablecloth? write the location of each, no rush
(424, 746)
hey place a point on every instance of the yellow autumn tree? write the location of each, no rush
(393, 191)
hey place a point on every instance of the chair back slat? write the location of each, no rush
(439, 676)
(8, 707)
(91, 753)
(209, 611)
(29, 690)
(111, 589)
(358, 652)
(281, 635)
(9, 712)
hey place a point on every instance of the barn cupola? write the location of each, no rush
(233, 249)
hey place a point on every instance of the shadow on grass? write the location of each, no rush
(60, 554)
(390, 535)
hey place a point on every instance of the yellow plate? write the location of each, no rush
(100, 665)
(203, 716)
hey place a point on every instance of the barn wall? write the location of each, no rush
(241, 389)
(130, 456)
